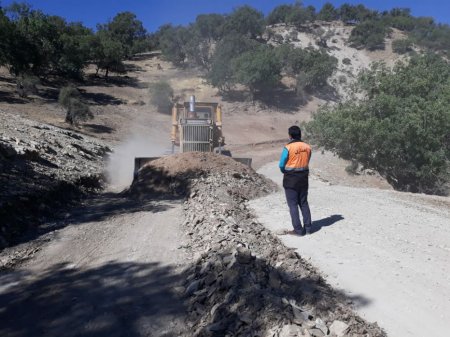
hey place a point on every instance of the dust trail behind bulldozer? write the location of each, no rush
(121, 162)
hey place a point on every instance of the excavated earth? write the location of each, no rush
(244, 281)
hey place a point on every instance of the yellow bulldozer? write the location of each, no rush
(196, 126)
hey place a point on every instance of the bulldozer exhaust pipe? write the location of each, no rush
(192, 104)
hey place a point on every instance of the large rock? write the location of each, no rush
(291, 330)
(338, 328)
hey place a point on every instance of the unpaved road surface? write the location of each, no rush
(389, 251)
(111, 272)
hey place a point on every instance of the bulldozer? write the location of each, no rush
(196, 126)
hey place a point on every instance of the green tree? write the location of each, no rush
(34, 43)
(126, 29)
(328, 12)
(348, 13)
(279, 14)
(5, 36)
(300, 15)
(173, 41)
(107, 53)
(210, 26)
(221, 73)
(311, 67)
(245, 21)
(74, 52)
(258, 69)
(44, 44)
(401, 126)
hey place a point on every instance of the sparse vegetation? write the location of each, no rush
(401, 126)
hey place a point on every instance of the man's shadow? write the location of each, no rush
(328, 221)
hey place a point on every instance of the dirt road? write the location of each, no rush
(389, 251)
(111, 272)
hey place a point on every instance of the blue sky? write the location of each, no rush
(154, 13)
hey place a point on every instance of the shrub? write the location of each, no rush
(342, 79)
(27, 84)
(66, 94)
(161, 96)
(399, 129)
(369, 35)
(347, 61)
(402, 46)
(352, 168)
(76, 109)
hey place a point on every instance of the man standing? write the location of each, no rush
(294, 164)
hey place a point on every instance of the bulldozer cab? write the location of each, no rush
(197, 126)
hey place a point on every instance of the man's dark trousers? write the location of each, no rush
(297, 196)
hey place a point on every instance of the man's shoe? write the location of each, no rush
(302, 231)
(294, 233)
(308, 230)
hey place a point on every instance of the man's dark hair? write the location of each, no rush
(295, 132)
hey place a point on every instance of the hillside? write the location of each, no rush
(122, 110)
(179, 250)
(125, 120)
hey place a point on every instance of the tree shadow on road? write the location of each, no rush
(115, 299)
(101, 207)
(325, 222)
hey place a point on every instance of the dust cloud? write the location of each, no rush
(120, 166)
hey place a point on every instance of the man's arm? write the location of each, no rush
(283, 160)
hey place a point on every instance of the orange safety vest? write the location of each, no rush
(299, 156)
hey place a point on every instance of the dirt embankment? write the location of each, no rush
(42, 167)
(243, 281)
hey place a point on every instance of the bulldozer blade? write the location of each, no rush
(141, 161)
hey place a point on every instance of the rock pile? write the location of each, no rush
(41, 165)
(244, 281)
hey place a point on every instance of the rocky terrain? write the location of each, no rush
(42, 167)
(244, 281)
